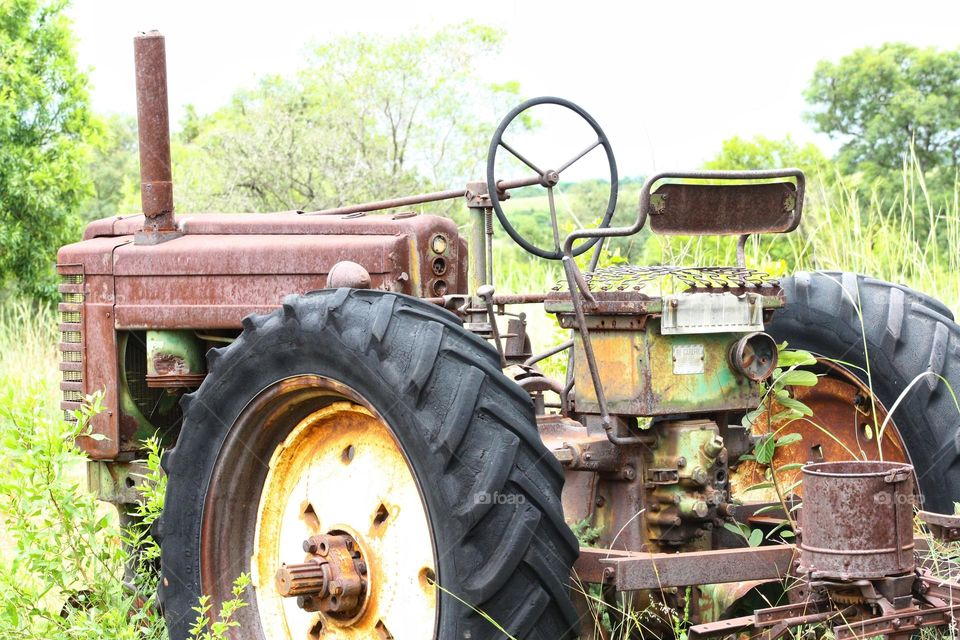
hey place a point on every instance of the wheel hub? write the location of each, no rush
(343, 546)
(333, 581)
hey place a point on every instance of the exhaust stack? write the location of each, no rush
(153, 118)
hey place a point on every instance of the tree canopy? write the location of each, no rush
(760, 152)
(881, 102)
(369, 117)
(45, 121)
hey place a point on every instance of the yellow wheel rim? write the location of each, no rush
(340, 469)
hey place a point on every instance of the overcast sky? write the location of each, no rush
(668, 81)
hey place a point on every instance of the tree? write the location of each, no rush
(760, 152)
(44, 123)
(368, 118)
(113, 169)
(883, 102)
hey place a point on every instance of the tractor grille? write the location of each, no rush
(71, 343)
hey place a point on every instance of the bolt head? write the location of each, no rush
(310, 546)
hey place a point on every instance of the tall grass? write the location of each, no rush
(912, 239)
(28, 350)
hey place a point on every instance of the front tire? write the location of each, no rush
(489, 489)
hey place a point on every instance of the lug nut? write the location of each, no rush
(308, 603)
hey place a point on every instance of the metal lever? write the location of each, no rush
(485, 293)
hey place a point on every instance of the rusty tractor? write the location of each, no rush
(354, 416)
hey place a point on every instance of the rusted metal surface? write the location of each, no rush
(685, 478)
(334, 581)
(901, 622)
(644, 373)
(592, 568)
(423, 198)
(71, 343)
(118, 482)
(156, 181)
(724, 202)
(809, 611)
(857, 520)
(410, 244)
(566, 437)
(100, 370)
(225, 267)
(844, 426)
(391, 203)
(348, 274)
(891, 608)
(634, 571)
(754, 356)
(942, 527)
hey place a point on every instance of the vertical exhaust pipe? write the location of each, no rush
(153, 119)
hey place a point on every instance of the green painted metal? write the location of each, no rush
(128, 406)
(688, 471)
(116, 482)
(178, 351)
(645, 373)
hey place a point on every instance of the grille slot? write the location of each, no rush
(71, 343)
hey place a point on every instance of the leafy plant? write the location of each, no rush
(62, 568)
(777, 408)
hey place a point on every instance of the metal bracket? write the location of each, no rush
(693, 313)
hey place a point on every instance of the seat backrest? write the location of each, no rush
(723, 202)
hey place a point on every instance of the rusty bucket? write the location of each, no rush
(857, 520)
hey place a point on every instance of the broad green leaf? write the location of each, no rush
(796, 405)
(795, 358)
(765, 450)
(798, 378)
(789, 438)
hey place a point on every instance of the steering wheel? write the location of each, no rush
(548, 178)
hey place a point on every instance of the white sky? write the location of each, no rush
(668, 81)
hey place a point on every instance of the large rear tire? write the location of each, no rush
(489, 489)
(906, 338)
